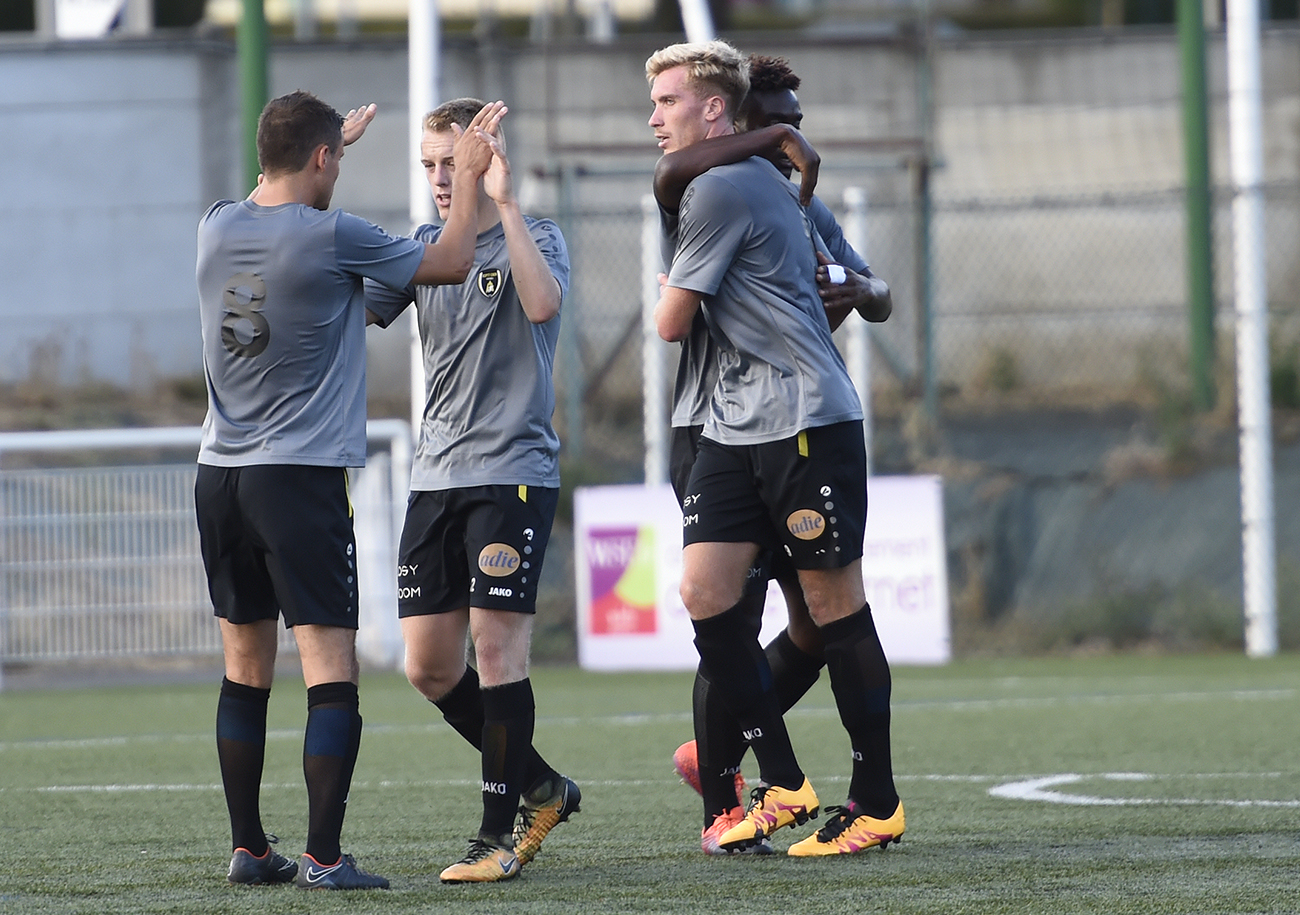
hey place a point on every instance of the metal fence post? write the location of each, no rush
(655, 406)
(571, 355)
(859, 355)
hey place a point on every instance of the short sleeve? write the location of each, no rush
(713, 223)
(387, 302)
(550, 242)
(832, 235)
(366, 250)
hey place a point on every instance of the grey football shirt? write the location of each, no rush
(489, 394)
(697, 365)
(840, 251)
(747, 246)
(284, 350)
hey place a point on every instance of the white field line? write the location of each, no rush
(1034, 788)
(1040, 789)
(640, 720)
(1025, 787)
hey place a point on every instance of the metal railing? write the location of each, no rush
(103, 562)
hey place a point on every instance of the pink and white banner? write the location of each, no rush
(628, 545)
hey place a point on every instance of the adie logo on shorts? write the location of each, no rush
(489, 282)
(498, 560)
(806, 524)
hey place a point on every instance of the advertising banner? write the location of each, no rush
(628, 565)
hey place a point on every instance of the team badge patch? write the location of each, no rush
(806, 524)
(498, 560)
(489, 282)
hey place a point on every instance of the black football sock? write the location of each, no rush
(462, 708)
(241, 750)
(738, 668)
(719, 746)
(329, 754)
(861, 682)
(793, 671)
(508, 713)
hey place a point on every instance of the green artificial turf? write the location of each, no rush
(1068, 785)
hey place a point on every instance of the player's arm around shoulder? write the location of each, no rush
(676, 170)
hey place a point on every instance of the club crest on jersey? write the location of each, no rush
(489, 282)
(806, 524)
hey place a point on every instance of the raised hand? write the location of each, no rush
(489, 117)
(498, 182)
(472, 151)
(356, 121)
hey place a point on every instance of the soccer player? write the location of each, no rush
(485, 486)
(781, 461)
(711, 762)
(283, 322)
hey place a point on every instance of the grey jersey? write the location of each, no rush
(489, 396)
(747, 246)
(832, 236)
(284, 349)
(697, 365)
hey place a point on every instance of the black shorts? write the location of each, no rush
(481, 546)
(684, 443)
(276, 540)
(805, 496)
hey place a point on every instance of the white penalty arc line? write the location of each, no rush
(1040, 789)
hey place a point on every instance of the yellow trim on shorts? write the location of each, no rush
(523, 493)
(803, 444)
(347, 490)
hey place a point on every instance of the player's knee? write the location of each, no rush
(805, 634)
(703, 598)
(428, 681)
(693, 598)
(500, 662)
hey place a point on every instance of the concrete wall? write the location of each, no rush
(111, 155)
(115, 148)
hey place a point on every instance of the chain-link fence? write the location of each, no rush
(1034, 302)
(1050, 300)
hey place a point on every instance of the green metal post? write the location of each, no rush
(925, 214)
(925, 289)
(1200, 248)
(252, 41)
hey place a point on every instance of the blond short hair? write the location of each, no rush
(458, 111)
(712, 67)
